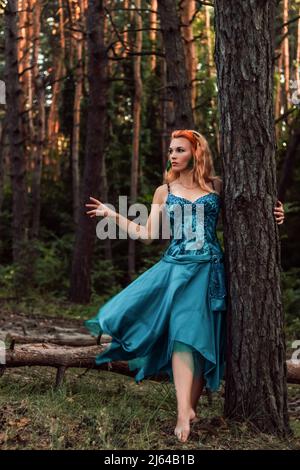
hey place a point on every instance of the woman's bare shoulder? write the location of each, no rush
(160, 194)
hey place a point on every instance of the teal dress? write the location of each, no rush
(178, 305)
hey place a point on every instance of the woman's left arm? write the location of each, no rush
(279, 212)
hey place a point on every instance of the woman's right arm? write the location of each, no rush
(145, 233)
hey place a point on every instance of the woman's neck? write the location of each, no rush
(187, 181)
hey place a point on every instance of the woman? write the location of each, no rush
(172, 317)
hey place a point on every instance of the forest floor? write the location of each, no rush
(105, 410)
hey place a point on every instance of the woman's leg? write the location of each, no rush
(197, 388)
(183, 374)
(198, 380)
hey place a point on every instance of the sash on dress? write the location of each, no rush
(217, 280)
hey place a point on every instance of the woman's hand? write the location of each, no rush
(279, 212)
(99, 209)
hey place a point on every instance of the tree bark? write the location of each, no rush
(188, 8)
(137, 104)
(297, 64)
(153, 33)
(40, 124)
(53, 124)
(78, 48)
(278, 95)
(80, 289)
(3, 131)
(64, 340)
(15, 132)
(256, 372)
(286, 57)
(177, 76)
(211, 70)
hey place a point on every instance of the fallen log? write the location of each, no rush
(293, 371)
(63, 357)
(60, 340)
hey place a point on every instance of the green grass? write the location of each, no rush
(104, 410)
(49, 305)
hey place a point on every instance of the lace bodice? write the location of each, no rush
(192, 225)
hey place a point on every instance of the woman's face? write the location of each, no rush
(180, 153)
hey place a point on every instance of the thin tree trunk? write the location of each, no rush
(153, 32)
(136, 132)
(297, 65)
(39, 128)
(167, 112)
(78, 40)
(53, 119)
(278, 96)
(188, 8)
(286, 56)
(126, 35)
(15, 132)
(108, 254)
(27, 78)
(3, 130)
(256, 372)
(80, 289)
(211, 69)
(177, 76)
(24, 61)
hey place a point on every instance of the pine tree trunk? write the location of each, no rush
(15, 132)
(137, 102)
(80, 290)
(53, 117)
(2, 165)
(188, 8)
(39, 127)
(297, 65)
(256, 388)
(211, 70)
(153, 32)
(78, 40)
(278, 95)
(177, 76)
(286, 56)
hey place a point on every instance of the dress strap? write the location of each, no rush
(168, 188)
(213, 184)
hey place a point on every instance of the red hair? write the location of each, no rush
(203, 170)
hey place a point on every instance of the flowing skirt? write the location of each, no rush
(179, 304)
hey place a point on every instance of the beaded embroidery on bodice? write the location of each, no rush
(193, 224)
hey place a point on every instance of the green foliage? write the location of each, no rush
(46, 268)
(53, 265)
(106, 278)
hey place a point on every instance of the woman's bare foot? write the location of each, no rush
(182, 429)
